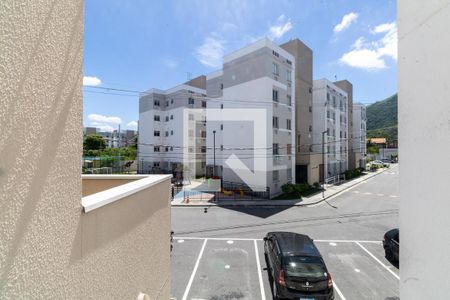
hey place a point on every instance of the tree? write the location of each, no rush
(94, 142)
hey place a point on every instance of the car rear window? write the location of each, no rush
(304, 266)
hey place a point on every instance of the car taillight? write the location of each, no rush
(280, 279)
(329, 280)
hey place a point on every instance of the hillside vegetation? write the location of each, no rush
(382, 119)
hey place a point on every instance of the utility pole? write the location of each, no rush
(323, 163)
(214, 151)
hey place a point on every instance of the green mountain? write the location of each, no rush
(382, 118)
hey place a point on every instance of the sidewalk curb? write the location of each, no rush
(276, 205)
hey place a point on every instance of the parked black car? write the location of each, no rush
(296, 267)
(391, 244)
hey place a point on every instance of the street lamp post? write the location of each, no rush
(323, 163)
(214, 151)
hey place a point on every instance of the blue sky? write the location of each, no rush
(140, 44)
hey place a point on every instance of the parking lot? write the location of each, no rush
(233, 268)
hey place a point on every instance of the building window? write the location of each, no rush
(289, 62)
(156, 164)
(289, 100)
(275, 122)
(275, 95)
(289, 174)
(310, 90)
(221, 126)
(167, 149)
(221, 86)
(288, 124)
(167, 133)
(171, 148)
(328, 114)
(221, 147)
(171, 117)
(221, 106)
(203, 149)
(276, 176)
(288, 149)
(190, 150)
(191, 101)
(310, 108)
(275, 149)
(167, 103)
(203, 164)
(275, 53)
(156, 133)
(156, 103)
(310, 128)
(288, 75)
(275, 69)
(203, 103)
(171, 101)
(203, 134)
(328, 96)
(191, 117)
(156, 118)
(167, 118)
(156, 149)
(171, 132)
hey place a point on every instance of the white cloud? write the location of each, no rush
(104, 123)
(281, 27)
(363, 59)
(347, 20)
(210, 53)
(371, 55)
(170, 62)
(91, 81)
(132, 125)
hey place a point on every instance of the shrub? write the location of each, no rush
(288, 188)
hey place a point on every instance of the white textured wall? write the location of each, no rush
(41, 219)
(424, 127)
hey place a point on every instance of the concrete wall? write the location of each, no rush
(49, 248)
(424, 127)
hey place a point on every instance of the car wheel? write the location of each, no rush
(389, 254)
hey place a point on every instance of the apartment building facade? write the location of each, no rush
(347, 86)
(330, 121)
(307, 161)
(172, 129)
(113, 139)
(359, 135)
(255, 82)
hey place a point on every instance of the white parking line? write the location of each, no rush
(188, 287)
(258, 265)
(373, 256)
(250, 239)
(338, 291)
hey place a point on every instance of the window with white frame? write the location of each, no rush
(156, 133)
(275, 69)
(288, 124)
(275, 149)
(156, 118)
(275, 122)
(276, 176)
(275, 95)
(288, 75)
(156, 149)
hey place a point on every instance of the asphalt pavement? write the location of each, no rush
(218, 254)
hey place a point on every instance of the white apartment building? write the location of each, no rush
(330, 114)
(172, 130)
(255, 82)
(359, 134)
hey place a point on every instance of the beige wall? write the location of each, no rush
(92, 185)
(49, 249)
